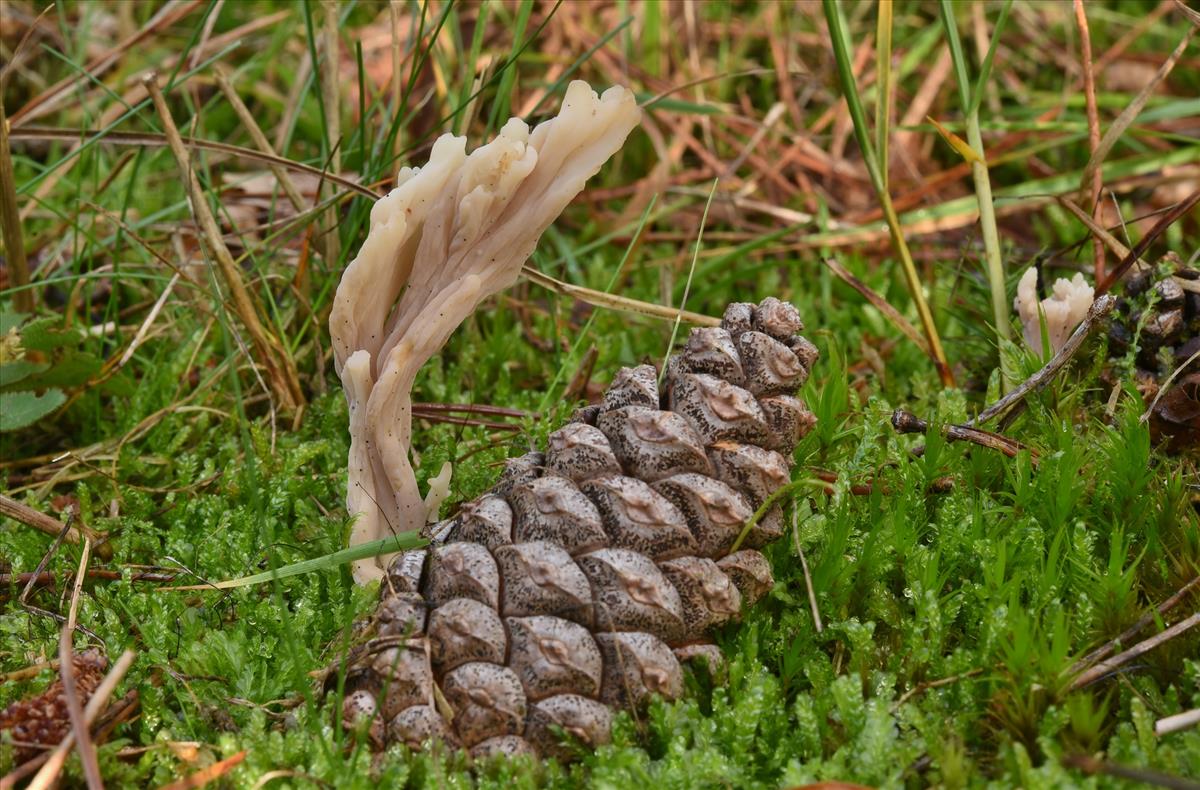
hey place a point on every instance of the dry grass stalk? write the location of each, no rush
(1096, 314)
(330, 243)
(1093, 117)
(53, 765)
(1141, 648)
(260, 139)
(879, 302)
(206, 775)
(18, 511)
(79, 726)
(281, 369)
(10, 221)
(1104, 651)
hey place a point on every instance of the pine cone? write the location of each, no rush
(1164, 303)
(588, 572)
(42, 721)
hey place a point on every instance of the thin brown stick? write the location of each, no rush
(156, 139)
(259, 137)
(281, 369)
(44, 102)
(50, 577)
(907, 422)
(1095, 315)
(1108, 647)
(79, 726)
(395, 11)
(18, 511)
(1099, 232)
(54, 761)
(1141, 648)
(1093, 117)
(1093, 765)
(206, 775)
(924, 686)
(1165, 221)
(1117, 128)
(881, 304)
(614, 301)
(77, 586)
(10, 225)
(333, 123)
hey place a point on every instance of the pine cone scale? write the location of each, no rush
(581, 580)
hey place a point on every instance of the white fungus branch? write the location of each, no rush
(447, 237)
(1063, 310)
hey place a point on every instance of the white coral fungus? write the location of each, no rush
(1064, 309)
(448, 236)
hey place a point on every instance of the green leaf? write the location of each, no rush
(43, 334)
(71, 369)
(19, 409)
(10, 320)
(18, 370)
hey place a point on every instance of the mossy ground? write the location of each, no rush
(956, 588)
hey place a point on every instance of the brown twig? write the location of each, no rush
(206, 775)
(79, 726)
(907, 422)
(52, 762)
(1093, 117)
(281, 368)
(1098, 231)
(333, 123)
(881, 304)
(10, 220)
(155, 139)
(1095, 315)
(1141, 648)
(1181, 209)
(259, 137)
(19, 511)
(1108, 647)
(50, 577)
(1093, 765)
(924, 686)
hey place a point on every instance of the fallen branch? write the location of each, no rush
(907, 422)
(1140, 649)
(1095, 315)
(18, 511)
(1102, 652)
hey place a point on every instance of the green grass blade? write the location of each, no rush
(400, 542)
(985, 68)
(842, 55)
(983, 185)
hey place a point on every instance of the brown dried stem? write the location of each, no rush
(1093, 116)
(10, 223)
(1096, 313)
(281, 368)
(1107, 648)
(879, 302)
(18, 511)
(260, 139)
(1141, 648)
(79, 726)
(333, 123)
(907, 422)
